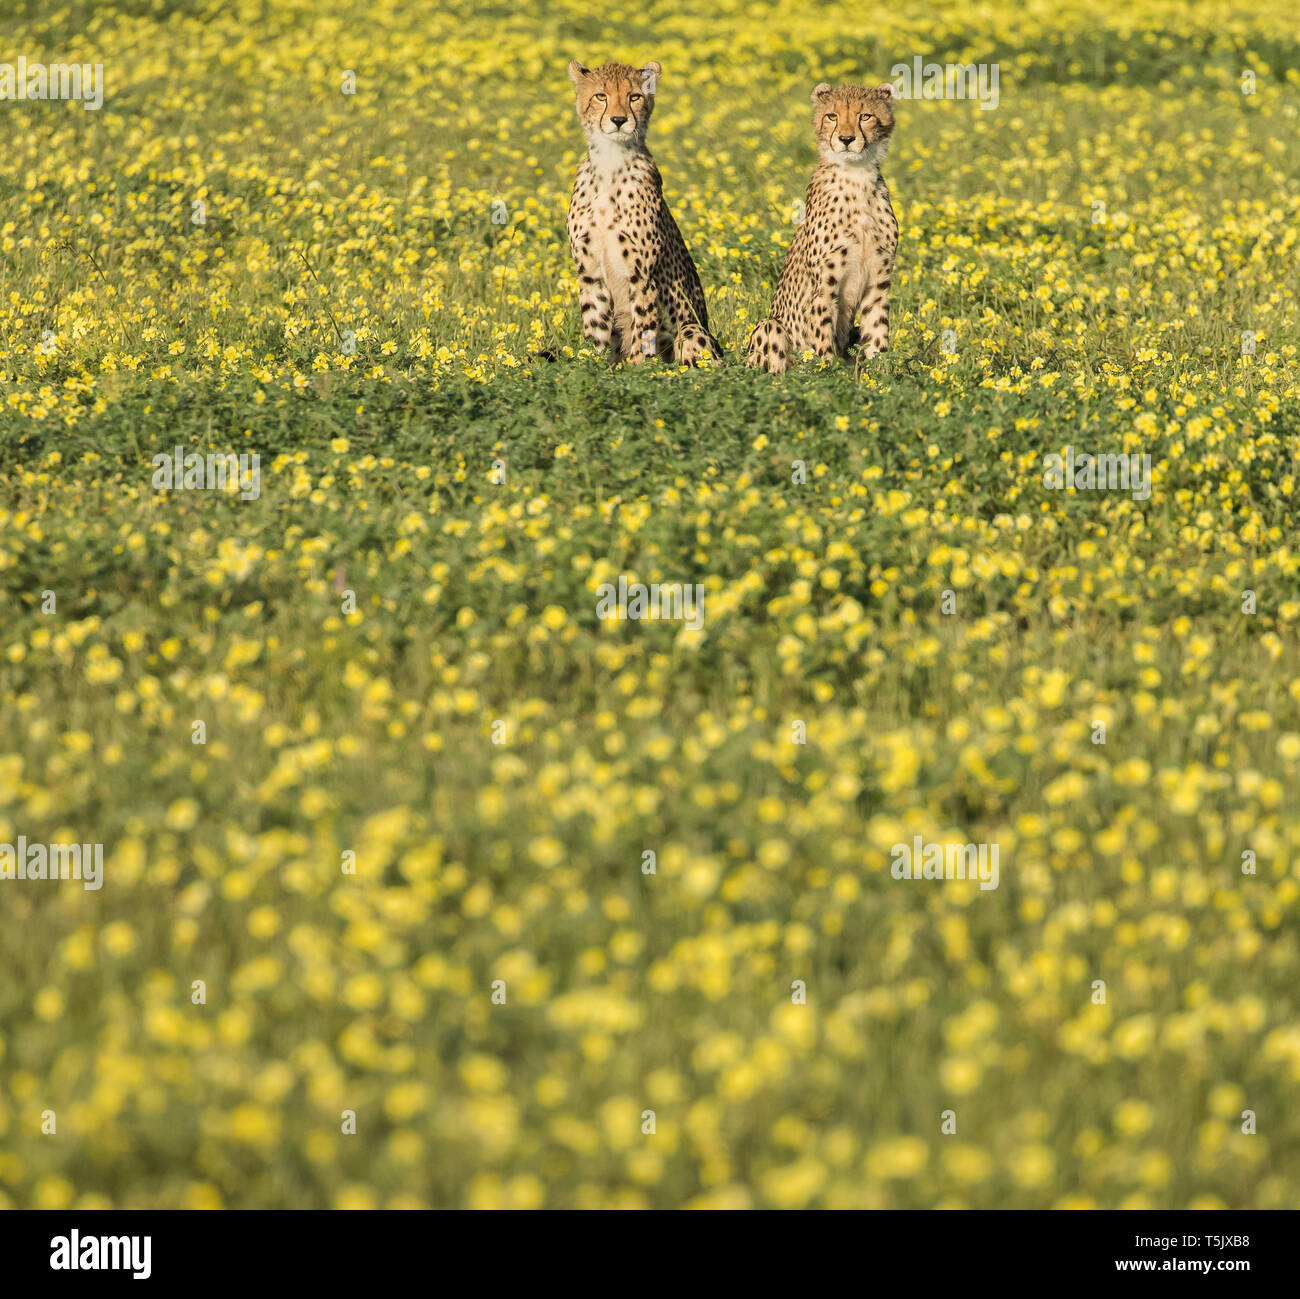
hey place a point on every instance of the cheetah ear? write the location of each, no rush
(577, 71)
(820, 90)
(650, 74)
(888, 89)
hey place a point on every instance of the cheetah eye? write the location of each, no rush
(602, 98)
(631, 99)
(868, 117)
(830, 117)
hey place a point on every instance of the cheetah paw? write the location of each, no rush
(695, 344)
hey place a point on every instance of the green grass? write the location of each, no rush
(830, 515)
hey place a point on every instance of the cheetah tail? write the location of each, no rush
(769, 347)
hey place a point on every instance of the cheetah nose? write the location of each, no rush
(846, 139)
(618, 121)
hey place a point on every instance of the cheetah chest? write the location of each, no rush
(620, 217)
(608, 225)
(861, 236)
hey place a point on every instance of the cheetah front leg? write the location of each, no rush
(597, 306)
(769, 347)
(645, 339)
(872, 329)
(821, 323)
(826, 304)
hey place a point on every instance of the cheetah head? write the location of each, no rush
(853, 123)
(615, 101)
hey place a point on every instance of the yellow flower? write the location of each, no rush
(1032, 1166)
(1133, 1117)
(1135, 1036)
(793, 1186)
(898, 1157)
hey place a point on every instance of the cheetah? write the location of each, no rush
(842, 256)
(638, 287)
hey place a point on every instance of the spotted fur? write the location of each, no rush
(834, 288)
(638, 288)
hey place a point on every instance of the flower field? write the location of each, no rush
(425, 886)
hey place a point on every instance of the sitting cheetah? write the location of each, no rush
(639, 291)
(842, 256)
